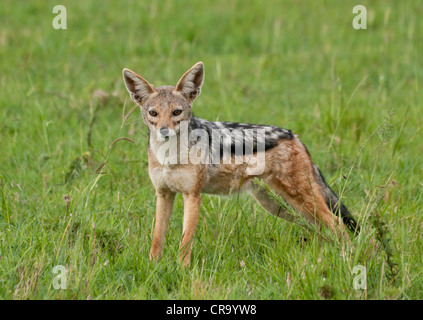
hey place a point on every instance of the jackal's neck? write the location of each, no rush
(170, 150)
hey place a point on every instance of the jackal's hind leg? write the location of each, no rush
(271, 205)
(305, 199)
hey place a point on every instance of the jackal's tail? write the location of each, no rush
(334, 204)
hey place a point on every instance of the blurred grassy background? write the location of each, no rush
(353, 96)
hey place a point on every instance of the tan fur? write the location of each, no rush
(288, 169)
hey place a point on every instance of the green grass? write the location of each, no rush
(353, 96)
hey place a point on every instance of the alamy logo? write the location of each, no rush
(215, 146)
(59, 21)
(60, 281)
(360, 280)
(360, 20)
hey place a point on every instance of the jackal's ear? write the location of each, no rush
(137, 86)
(190, 83)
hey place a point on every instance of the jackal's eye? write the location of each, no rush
(177, 112)
(153, 113)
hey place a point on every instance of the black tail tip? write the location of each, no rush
(351, 224)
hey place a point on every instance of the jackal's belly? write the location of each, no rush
(223, 179)
(218, 179)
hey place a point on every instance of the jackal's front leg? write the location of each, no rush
(164, 205)
(192, 204)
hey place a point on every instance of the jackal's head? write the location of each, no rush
(163, 108)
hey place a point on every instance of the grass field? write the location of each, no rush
(354, 97)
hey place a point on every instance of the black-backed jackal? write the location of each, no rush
(191, 156)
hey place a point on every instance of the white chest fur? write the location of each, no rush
(177, 178)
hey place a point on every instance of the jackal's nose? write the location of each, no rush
(164, 131)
